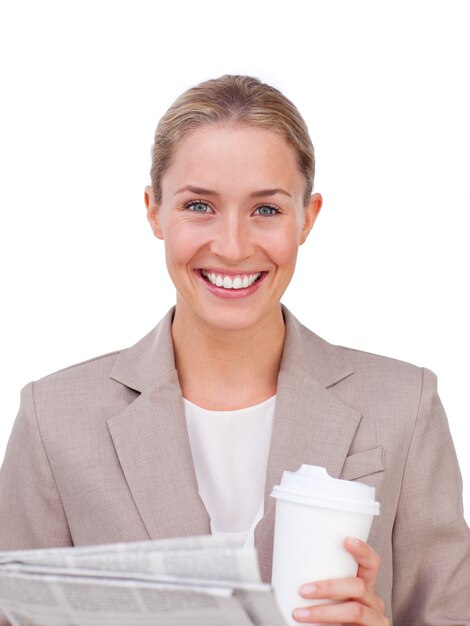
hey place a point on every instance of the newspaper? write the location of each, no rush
(194, 581)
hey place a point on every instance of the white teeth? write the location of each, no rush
(228, 282)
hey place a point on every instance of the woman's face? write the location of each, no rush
(232, 219)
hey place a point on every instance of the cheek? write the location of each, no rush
(180, 245)
(284, 248)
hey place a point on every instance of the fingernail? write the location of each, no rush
(353, 541)
(307, 590)
(301, 613)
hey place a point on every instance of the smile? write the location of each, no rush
(238, 281)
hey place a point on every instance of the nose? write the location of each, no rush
(233, 241)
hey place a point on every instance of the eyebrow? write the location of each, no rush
(255, 194)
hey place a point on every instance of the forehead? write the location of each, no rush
(233, 160)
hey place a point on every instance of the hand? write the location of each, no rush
(354, 600)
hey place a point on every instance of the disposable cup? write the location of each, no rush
(314, 515)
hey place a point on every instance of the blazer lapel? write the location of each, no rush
(151, 440)
(311, 424)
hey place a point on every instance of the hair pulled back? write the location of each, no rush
(237, 100)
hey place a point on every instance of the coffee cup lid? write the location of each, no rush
(313, 486)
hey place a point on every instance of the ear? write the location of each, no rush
(153, 213)
(310, 215)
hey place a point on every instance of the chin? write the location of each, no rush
(236, 319)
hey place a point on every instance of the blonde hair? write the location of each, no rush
(231, 99)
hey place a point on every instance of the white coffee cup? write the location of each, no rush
(314, 515)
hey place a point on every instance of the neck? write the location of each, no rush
(222, 369)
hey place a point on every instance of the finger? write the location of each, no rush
(366, 557)
(342, 589)
(342, 613)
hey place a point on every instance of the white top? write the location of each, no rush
(230, 453)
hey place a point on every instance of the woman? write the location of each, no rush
(187, 431)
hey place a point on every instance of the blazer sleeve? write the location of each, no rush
(31, 512)
(431, 569)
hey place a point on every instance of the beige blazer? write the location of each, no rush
(100, 453)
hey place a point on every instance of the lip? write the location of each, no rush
(231, 294)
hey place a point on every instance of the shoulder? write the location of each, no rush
(389, 386)
(102, 386)
(379, 387)
(358, 365)
(86, 375)
(380, 366)
(90, 368)
(392, 396)
(79, 393)
(134, 367)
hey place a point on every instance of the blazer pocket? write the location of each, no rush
(364, 463)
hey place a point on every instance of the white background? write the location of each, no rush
(383, 87)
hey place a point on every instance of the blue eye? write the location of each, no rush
(266, 209)
(198, 207)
